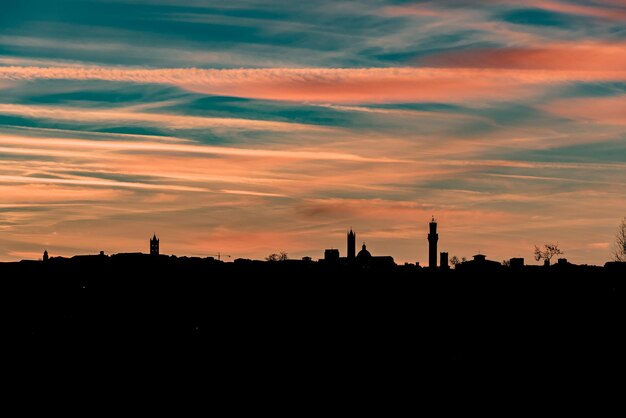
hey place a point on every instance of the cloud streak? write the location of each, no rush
(502, 118)
(610, 10)
(98, 183)
(125, 146)
(584, 58)
(605, 110)
(366, 85)
(131, 115)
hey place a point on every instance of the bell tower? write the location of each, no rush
(154, 245)
(433, 237)
(351, 245)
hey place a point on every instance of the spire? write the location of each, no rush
(351, 244)
(154, 245)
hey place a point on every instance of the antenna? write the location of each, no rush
(220, 255)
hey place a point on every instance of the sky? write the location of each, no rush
(248, 127)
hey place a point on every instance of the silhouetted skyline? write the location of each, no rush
(291, 313)
(437, 262)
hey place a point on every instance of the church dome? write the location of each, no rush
(363, 254)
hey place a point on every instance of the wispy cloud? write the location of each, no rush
(125, 146)
(611, 10)
(131, 115)
(370, 85)
(104, 183)
(248, 127)
(584, 57)
(600, 110)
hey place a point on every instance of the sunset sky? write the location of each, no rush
(250, 127)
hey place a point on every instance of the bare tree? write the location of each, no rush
(454, 261)
(272, 257)
(619, 246)
(548, 251)
(281, 256)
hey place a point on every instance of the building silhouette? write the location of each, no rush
(364, 256)
(154, 245)
(351, 245)
(433, 237)
(331, 254)
(443, 261)
(365, 259)
(479, 263)
(45, 255)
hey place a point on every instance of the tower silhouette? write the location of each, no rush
(45, 255)
(433, 237)
(154, 245)
(443, 261)
(351, 245)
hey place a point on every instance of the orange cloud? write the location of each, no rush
(614, 11)
(161, 119)
(98, 182)
(617, 12)
(25, 145)
(588, 58)
(38, 193)
(604, 110)
(370, 85)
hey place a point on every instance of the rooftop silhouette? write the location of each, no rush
(364, 258)
(476, 313)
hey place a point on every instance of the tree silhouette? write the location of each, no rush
(281, 256)
(272, 257)
(549, 251)
(619, 251)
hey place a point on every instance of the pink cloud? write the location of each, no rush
(127, 146)
(604, 110)
(98, 182)
(46, 194)
(588, 58)
(374, 85)
(617, 12)
(603, 9)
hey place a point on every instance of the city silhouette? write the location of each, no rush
(358, 262)
(325, 191)
(477, 312)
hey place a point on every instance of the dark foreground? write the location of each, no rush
(251, 316)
